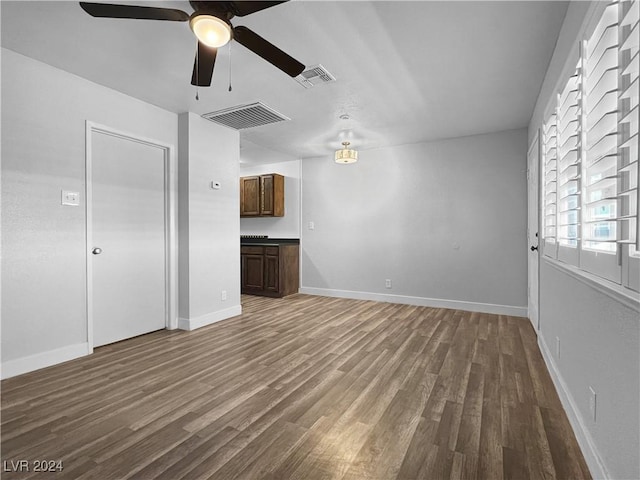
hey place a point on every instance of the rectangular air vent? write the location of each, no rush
(313, 76)
(246, 116)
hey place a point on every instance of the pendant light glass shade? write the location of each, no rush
(346, 154)
(210, 30)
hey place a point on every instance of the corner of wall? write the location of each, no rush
(209, 222)
(183, 215)
(210, 318)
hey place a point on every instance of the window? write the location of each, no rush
(550, 167)
(590, 162)
(568, 171)
(628, 143)
(600, 124)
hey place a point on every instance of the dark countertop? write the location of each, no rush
(269, 241)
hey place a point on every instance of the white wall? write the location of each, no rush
(599, 348)
(445, 221)
(599, 336)
(43, 243)
(209, 261)
(277, 227)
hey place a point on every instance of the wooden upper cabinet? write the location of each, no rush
(262, 196)
(267, 191)
(249, 196)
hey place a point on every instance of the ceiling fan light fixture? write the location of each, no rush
(346, 154)
(210, 30)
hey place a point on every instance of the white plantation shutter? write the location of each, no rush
(629, 226)
(591, 174)
(568, 168)
(549, 182)
(600, 197)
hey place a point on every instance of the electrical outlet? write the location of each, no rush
(311, 225)
(387, 283)
(592, 403)
(223, 295)
(558, 347)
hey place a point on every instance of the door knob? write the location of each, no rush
(533, 249)
(96, 251)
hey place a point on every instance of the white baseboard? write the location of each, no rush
(30, 363)
(587, 445)
(420, 301)
(209, 318)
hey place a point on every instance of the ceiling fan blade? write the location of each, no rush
(240, 9)
(268, 51)
(203, 65)
(110, 10)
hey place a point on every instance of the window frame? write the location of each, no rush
(631, 253)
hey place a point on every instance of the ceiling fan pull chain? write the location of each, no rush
(230, 67)
(197, 68)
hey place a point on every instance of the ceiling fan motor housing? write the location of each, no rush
(222, 10)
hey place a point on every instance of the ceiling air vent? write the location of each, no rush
(313, 76)
(246, 116)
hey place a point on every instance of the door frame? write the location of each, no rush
(534, 144)
(170, 221)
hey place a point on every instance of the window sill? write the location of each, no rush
(627, 297)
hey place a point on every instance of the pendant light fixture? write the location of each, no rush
(346, 154)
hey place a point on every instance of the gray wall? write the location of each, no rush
(444, 220)
(599, 348)
(43, 243)
(277, 227)
(44, 304)
(599, 336)
(209, 261)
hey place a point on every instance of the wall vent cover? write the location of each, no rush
(313, 76)
(246, 116)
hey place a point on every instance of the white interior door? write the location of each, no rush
(533, 163)
(128, 240)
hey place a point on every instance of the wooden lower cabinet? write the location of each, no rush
(271, 270)
(253, 272)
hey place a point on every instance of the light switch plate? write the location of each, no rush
(70, 198)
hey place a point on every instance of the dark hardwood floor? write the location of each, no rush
(301, 388)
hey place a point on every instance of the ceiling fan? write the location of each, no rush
(211, 23)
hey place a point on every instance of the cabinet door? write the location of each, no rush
(250, 196)
(272, 195)
(266, 192)
(253, 272)
(271, 273)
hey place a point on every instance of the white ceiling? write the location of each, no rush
(406, 71)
